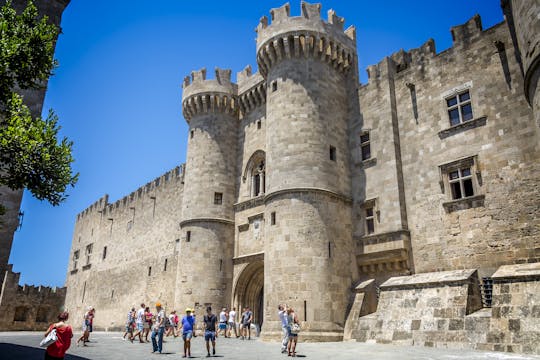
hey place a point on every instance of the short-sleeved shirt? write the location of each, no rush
(129, 318)
(140, 316)
(232, 316)
(210, 322)
(223, 317)
(246, 316)
(159, 316)
(283, 317)
(187, 323)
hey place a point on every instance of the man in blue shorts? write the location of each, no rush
(188, 324)
(210, 321)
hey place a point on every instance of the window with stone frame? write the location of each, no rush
(365, 145)
(461, 179)
(459, 108)
(88, 253)
(369, 215)
(75, 259)
(369, 220)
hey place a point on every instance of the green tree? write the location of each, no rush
(31, 155)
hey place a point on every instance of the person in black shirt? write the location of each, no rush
(209, 322)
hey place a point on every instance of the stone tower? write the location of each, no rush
(524, 23)
(210, 107)
(308, 65)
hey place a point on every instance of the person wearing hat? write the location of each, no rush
(188, 326)
(158, 329)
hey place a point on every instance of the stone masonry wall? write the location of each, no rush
(490, 229)
(135, 243)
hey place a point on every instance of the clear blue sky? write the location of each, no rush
(117, 90)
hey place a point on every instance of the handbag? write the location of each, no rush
(49, 339)
(295, 327)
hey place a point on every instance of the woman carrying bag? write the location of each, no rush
(64, 333)
(294, 329)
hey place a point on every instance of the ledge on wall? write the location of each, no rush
(456, 129)
(465, 203)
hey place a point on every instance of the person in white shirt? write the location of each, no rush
(282, 313)
(222, 322)
(139, 321)
(232, 322)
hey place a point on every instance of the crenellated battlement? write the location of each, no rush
(102, 205)
(40, 291)
(251, 90)
(97, 206)
(303, 36)
(202, 95)
(462, 35)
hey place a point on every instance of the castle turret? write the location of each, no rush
(309, 66)
(210, 108)
(524, 23)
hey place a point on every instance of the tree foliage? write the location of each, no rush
(31, 156)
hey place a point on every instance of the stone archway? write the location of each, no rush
(249, 291)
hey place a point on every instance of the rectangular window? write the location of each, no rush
(165, 265)
(88, 253)
(461, 183)
(188, 236)
(365, 145)
(332, 153)
(274, 86)
(459, 108)
(370, 221)
(75, 259)
(149, 271)
(273, 218)
(218, 198)
(191, 133)
(104, 252)
(259, 124)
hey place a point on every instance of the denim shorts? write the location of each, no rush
(222, 326)
(140, 326)
(210, 335)
(187, 335)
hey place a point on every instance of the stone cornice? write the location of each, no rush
(198, 220)
(333, 194)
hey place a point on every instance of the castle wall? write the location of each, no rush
(489, 230)
(141, 234)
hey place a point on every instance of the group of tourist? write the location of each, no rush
(139, 324)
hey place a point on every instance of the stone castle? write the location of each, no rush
(403, 210)
(25, 307)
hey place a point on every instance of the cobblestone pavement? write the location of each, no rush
(104, 346)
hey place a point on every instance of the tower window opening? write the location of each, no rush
(188, 236)
(274, 86)
(273, 218)
(165, 265)
(104, 252)
(149, 271)
(332, 153)
(218, 198)
(259, 124)
(191, 133)
(365, 145)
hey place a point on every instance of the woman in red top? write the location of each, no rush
(64, 333)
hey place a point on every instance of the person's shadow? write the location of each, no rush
(20, 352)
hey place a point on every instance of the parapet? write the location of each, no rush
(463, 34)
(251, 90)
(305, 35)
(97, 206)
(202, 95)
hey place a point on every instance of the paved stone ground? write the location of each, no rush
(105, 346)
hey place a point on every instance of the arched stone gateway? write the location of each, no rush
(249, 290)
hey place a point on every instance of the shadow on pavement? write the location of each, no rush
(20, 352)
